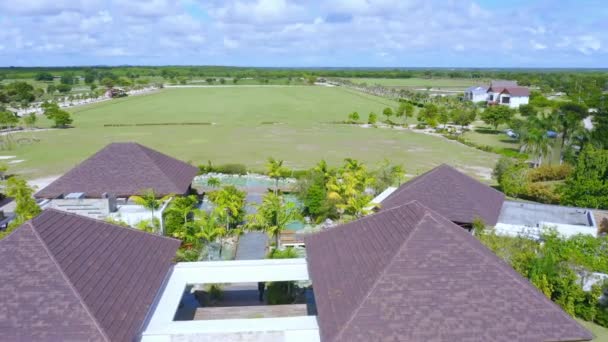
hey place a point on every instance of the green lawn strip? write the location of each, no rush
(301, 133)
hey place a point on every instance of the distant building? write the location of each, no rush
(476, 94)
(504, 93)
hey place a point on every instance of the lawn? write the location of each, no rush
(460, 83)
(249, 125)
(600, 333)
(485, 135)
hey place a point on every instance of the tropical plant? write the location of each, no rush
(26, 207)
(276, 171)
(213, 182)
(536, 142)
(229, 203)
(151, 201)
(273, 215)
(183, 207)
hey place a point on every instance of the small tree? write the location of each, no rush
(149, 200)
(273, 215)
(353, 117)
(26, 207)
(276, 171)
(388, 112)
(527, 110)
(496, 115)
(372, 118)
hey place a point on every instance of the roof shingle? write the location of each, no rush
(408, 274)
(124, 169)
(73, 277)
(452, 194)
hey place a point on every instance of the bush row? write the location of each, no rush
(487, 148)
(230, 168)
(161, 124)
(546, 173)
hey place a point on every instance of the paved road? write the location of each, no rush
(252, 246)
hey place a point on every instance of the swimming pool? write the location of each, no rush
(244, 181)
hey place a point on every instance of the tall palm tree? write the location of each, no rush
(275, 170)
(273, 215)
(183, 206)
(149, 200)
(538, 144)
(229, 203)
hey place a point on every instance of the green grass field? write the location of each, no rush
(420, 82)
(250, 125)
(600, 333)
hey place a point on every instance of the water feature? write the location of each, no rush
(244, 182)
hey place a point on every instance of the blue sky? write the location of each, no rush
(350, 33)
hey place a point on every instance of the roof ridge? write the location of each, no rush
(147, 151)
(502, 265)
(390, 261)
(67, 280)
(129, 228)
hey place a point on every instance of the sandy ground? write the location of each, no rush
(39, 183)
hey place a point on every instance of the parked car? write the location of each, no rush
(511, 133)
(551, 134)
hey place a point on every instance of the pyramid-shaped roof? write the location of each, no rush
(124, 169)
(451, 193)
(408, 274)
(66, 277)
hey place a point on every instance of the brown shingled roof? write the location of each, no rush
(70, 278)
(452, 194)
(124, 169)
(408, 274)
(516, 91)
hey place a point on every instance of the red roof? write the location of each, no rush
(408, 274)
(517, 91)
(124, 169)
(453, 194)
(66, 277)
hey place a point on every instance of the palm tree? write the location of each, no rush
(536, 143)
(213, 182)
(273, 215)
(229, 203)
(150, 200)
(275, 170)
(183, 206)
(357, 206)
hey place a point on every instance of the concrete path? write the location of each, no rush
(252, 246)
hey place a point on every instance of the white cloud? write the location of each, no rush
(537, 46)
(231, 43)
(281, 32)
(588, 44)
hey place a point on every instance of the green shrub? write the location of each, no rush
(231, 168)
(550, 173)
(543, 193)
(280, 292)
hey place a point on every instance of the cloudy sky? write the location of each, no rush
(415, 33)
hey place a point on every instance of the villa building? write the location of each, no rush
(100, 186)
(66, 277)
(403, 274)
(456, 196)
(504, 93)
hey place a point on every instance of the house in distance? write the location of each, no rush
(504, 93)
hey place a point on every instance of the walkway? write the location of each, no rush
(252, 246)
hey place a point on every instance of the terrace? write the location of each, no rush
(240, 316)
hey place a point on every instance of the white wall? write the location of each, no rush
(517, 101)
(565, 230)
